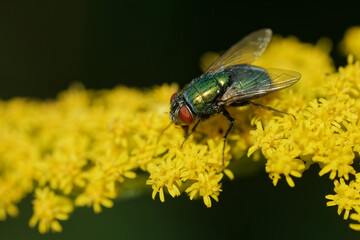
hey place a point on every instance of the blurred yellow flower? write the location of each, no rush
(82, 148)
(351, 44)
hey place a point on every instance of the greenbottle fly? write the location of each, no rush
(229, 81)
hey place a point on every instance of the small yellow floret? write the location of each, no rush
(48, 209)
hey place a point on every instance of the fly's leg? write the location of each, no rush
(162, 132)
(186, 129)
(231, 120)
(271, 109)
(239, 104)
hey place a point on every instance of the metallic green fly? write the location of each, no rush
(230, 81)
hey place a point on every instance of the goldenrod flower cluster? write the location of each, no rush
(88, 148)
(323, 130)
(82, 148)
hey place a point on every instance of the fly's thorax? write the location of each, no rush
(202, 92)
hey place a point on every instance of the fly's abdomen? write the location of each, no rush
(247, 77)
(247, 82)
(202, 92)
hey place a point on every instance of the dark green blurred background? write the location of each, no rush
(46, 45)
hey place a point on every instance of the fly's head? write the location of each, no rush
(180, 112)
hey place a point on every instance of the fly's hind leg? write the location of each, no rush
(270, 108)
(239, 104)
(231, 120)
(186, 129)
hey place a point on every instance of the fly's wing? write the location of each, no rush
(246, 51)
(250, 82)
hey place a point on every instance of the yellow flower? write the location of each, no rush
(347, 196)
(165, 175)
(9, 196)
(197, 163)
(48, 209)
(63, 166)
(264, 139)
(97, 191)
(284, 161)
(355, 217)
(207, 186)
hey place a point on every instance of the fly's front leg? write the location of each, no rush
(162, 132)
(186, 129)
(231, 120)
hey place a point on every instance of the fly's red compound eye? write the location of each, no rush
(172, 96)
(185, 115)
